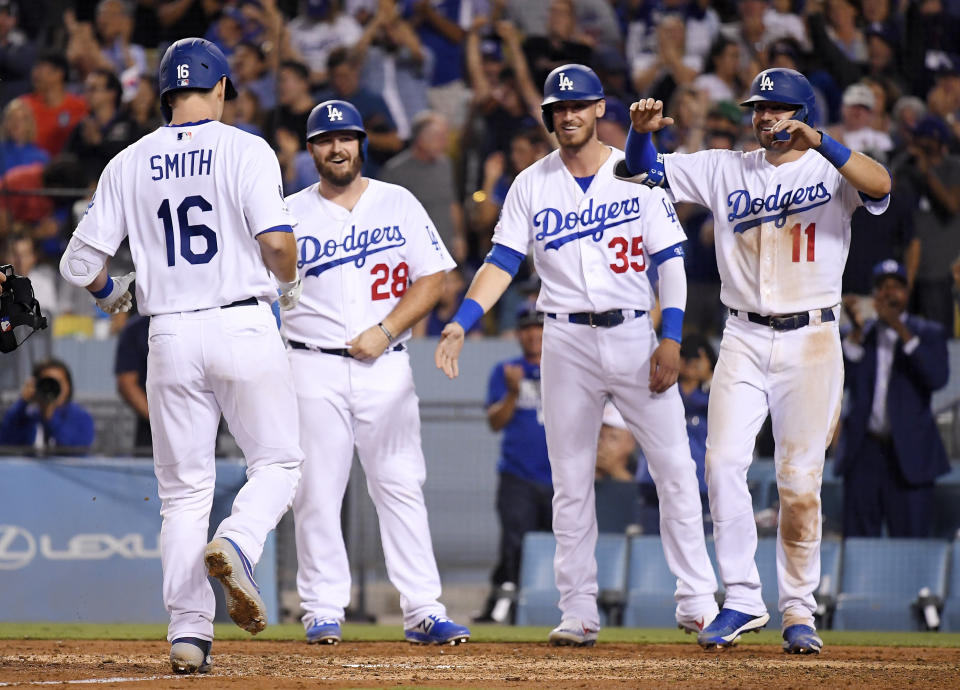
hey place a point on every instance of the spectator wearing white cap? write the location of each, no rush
(856, 130)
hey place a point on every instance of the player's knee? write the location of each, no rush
(799, 514)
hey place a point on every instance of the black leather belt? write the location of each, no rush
(786, 322)
(248, 302)
(339, 351)
(603, 319)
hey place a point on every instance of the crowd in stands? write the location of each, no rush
(450, 93)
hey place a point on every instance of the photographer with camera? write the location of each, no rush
(45, 416)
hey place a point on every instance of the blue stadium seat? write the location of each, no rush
(650, 585)
(950, 618)
(538, 597)
(766, 560)
(617, 505)
(826, 594)
(762, 483)
(880, 580)
(831, 505)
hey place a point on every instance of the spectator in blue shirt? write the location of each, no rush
(45, 416)
(525, 489)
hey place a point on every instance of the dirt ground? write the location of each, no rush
(503, 665)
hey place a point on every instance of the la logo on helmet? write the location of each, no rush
(566, 84)
(334, 113)
(766, 83)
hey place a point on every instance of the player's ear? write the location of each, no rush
(601, 108)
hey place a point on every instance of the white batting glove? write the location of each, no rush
(119, 298)
(290, 294)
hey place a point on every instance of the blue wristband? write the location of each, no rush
(833, 150)
(105, 290)
(671, 324)
(468, 314)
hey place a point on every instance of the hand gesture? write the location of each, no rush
(646, 115)
(513, 375)
(802, 136)
(448, 349)
(370, 344)
(664, 365)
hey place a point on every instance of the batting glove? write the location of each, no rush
(115, 296)
(290, 294)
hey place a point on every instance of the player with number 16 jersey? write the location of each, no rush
(201, 205)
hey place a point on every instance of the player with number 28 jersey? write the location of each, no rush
(372, 265)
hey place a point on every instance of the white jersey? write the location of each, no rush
(356, 265)
(591, 249)
(192, 199)
(781, 233)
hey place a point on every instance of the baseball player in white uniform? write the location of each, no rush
(200, 203)
(782, 216)
(372, 265)
(593, 238)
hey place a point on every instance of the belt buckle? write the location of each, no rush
(590, 320)
(782, 323)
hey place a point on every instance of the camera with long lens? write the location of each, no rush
(47, 390)
(20, 315)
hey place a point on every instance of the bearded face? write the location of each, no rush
(336, 156)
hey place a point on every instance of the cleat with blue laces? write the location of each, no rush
(437, 630)
(226, 562)
(324, 631)
(726, 628)
(801, 639)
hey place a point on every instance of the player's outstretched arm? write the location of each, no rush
(279, 252)
(488, 285)
(419, 299)
(864, 173)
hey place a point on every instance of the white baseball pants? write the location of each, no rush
(373, 406)
(580, 367)
(202, 364)
(798, 377)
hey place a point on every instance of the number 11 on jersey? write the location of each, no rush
(811, 232)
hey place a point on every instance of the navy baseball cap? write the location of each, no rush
(889, 267)
(527, 315)
(932, 127)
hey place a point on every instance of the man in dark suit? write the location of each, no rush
(891, 450)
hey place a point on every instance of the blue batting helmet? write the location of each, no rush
(192, 63)
(335, 116)
(569, 83)
(787, 86)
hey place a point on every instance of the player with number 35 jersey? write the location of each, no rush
(372, 265)
(593, 238)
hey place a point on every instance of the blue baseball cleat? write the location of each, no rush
(572, 633)
(324, 631)
(726, 628)
(226, 562)
(190, 655)
(801, 639)
(437, 630)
